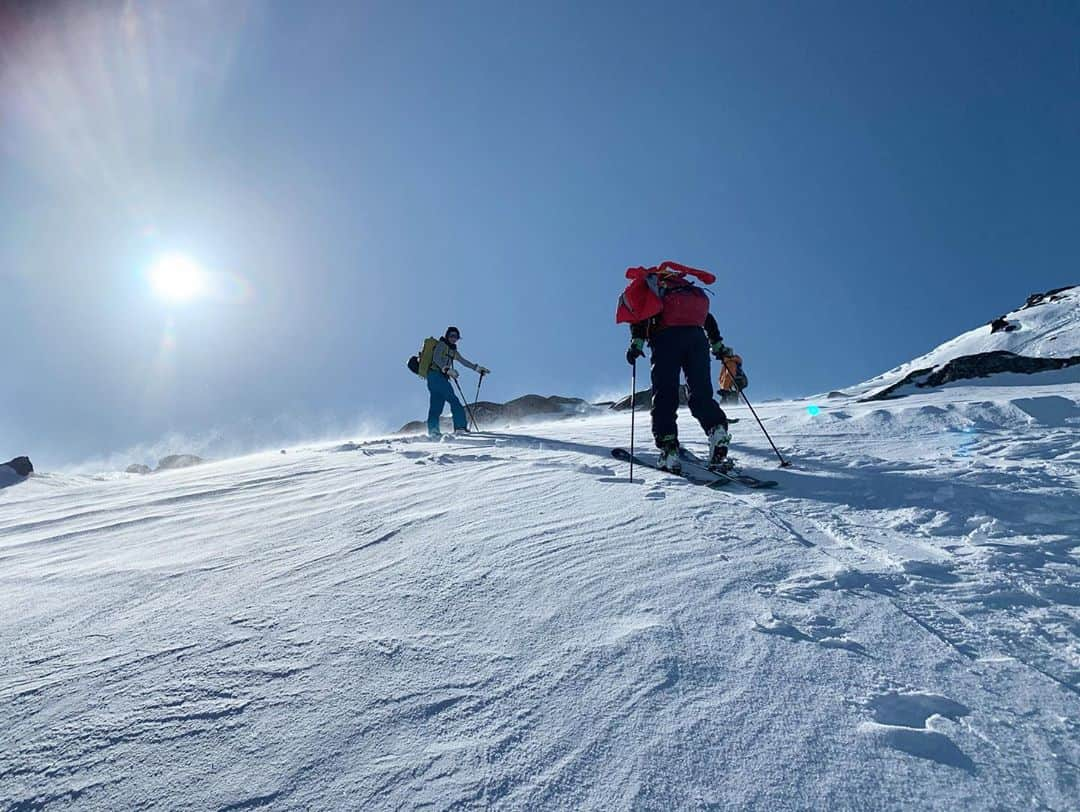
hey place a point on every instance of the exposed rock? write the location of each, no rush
(136, 468)
(520, 409)
(21, 466)
(1003, 325)
(836, 393)
(179, 461)
(974, 366)
(643, 400)
(1036, 299)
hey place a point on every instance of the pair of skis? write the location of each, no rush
(696, 470)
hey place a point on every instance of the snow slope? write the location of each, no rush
(1047, 329)
(506, 622)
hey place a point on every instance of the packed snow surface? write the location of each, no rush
(1050, 329)
(505, 621)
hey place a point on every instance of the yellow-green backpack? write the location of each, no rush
(421, 362)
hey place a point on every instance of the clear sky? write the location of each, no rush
(866, 179)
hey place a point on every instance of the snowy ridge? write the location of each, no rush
(506, 622)
(1046, 328)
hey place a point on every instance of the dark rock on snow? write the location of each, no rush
(515, 411)
(643, 400)
(179, 461)
(1036, 299)
(21, 466)
(1003, 325)
(974, 366)
(136, 468)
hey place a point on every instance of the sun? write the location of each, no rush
(177, 278)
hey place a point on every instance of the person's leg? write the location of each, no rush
(665, 363)
(436, 384)
(456, 409)
(695, 362)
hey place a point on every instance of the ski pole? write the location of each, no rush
(477, 398)
(465, 402)
(633, 414)
(783, 463)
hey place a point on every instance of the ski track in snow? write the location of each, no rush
(505, 621)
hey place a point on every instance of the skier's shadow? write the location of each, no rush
(621, 480)
(544, 443)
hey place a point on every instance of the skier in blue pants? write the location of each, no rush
(439, 385)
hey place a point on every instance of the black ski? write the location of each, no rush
(729, 471)
(695, 471)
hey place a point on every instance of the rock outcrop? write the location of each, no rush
(519, 410)
(21, 466)
(1042, 335)
(643, 400)
(15, 471)
(982, 365)
(178, 461)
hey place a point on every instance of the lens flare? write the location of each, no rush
(813, 410)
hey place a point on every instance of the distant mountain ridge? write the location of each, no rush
(518, 410)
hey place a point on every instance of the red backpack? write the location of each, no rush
(664, 291)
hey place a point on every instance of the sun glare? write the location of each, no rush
(177, 278)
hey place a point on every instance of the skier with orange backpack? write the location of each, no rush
(665, 309)
(732, 379)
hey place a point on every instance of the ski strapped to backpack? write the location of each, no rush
(644, 298)
(420, 363)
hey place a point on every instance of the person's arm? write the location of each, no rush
(711, 329)
(716, 341)
(457, 356)
(639, 331)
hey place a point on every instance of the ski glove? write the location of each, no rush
(740, 380)
(483, 371)
(635, 351)
(720, 351)
(451, 373)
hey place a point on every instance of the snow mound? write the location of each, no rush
(1042, 337)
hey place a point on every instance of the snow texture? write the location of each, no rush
(507, 622)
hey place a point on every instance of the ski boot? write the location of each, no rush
(719, 439)
(669, 455)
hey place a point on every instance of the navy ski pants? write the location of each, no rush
(685, 350)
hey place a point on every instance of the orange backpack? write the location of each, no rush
(729, 368)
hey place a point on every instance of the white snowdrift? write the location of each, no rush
(506, 622)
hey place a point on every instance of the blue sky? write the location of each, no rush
(866, 180)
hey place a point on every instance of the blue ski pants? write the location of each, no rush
(442, 392)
